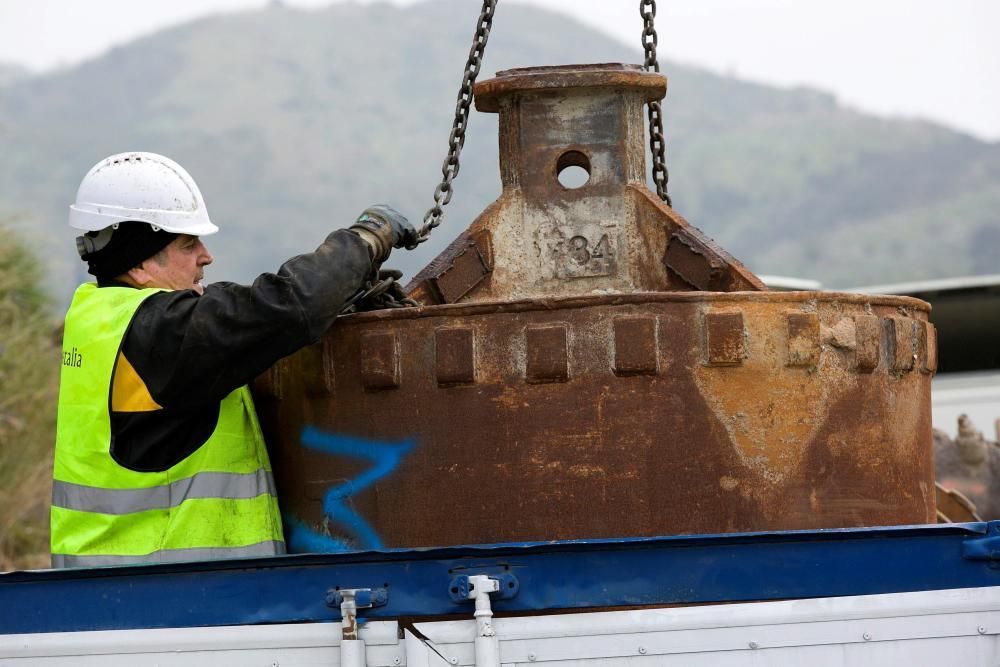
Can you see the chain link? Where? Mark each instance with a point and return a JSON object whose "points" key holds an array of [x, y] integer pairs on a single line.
{"points": [[657, 145], [456, 140]]}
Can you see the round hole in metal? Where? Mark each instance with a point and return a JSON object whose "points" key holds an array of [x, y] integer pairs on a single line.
{"points": [[573, 169]]}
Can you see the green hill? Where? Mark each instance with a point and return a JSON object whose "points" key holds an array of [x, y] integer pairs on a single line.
{"points": [[294, 120]]}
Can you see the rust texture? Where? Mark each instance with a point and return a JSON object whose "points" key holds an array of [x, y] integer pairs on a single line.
{"points": [[605, 416], [724, 334], [588, 364], [902, 341], [379, 360], [803, 338], [465, 264], [928, 348], [692, 263], [542, 239], [635, 345], [546, 357], [868, 337], [954, 507], [454, 356]]}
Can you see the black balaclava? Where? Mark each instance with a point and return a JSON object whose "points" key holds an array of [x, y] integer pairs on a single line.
{"points": [[130, 245]]}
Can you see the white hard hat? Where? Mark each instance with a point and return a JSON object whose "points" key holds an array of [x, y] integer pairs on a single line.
{"points": [[142, 187]]}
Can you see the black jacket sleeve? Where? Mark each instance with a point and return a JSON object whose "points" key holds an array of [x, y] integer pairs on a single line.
{"points": [[193, 350]]}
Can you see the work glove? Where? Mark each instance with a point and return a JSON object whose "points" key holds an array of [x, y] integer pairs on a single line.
{"points": [[385, 228]]}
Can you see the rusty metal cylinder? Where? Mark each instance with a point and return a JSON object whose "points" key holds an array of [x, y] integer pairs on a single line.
{"points": [[606, 416], [650, 385]]}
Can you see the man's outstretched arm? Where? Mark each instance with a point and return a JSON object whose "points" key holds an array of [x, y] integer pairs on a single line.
{"points": [[191, 350]]}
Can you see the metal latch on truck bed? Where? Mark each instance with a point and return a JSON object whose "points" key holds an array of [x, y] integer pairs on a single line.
{"points": [[480, 587], [350, 600], [463, 586], [986, 547], [352, 649]]}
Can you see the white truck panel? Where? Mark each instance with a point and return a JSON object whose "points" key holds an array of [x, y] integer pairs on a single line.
{"points": [[933, 628]]}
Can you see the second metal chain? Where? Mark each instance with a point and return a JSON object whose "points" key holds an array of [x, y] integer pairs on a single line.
{"points": [[456, 140], [657, 145]]}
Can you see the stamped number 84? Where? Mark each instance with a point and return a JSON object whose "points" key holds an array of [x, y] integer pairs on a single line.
{"points": [[580, 251]]}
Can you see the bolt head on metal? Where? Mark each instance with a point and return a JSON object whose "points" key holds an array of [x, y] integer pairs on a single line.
{"points": [[982, 629], [754, 645], [532, 657], [397, 660], [867, 636], [642, 650], [453, 660]]}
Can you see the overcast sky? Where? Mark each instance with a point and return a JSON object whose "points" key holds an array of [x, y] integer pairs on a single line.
{"points": [[937, 60]]}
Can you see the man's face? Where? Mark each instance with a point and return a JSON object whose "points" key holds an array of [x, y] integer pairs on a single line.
{"points": [[179, 266]]}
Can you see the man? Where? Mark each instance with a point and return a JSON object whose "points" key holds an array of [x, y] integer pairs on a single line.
{"points": [[159, 456]]}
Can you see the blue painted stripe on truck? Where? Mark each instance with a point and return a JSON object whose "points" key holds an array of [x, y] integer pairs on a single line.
{"points": [[552, 576]]}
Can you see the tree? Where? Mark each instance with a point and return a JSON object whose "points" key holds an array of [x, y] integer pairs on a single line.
{"points": [[29, 381]]}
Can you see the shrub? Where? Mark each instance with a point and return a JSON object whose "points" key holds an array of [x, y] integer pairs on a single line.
{"points": [[29, 381]]}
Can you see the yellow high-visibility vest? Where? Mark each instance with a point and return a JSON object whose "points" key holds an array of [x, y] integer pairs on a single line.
{"points": [[218, 502]]}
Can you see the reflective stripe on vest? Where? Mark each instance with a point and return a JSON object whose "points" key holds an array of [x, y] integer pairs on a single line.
{"points": [[269, 548], [218, 502], [126, 501]]}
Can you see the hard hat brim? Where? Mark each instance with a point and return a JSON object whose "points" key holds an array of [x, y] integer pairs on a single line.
{"points": [[93, 218]]}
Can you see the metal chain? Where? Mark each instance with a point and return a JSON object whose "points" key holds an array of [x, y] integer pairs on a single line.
{"points": [[657, 145], [456, 140], [382, 291]]}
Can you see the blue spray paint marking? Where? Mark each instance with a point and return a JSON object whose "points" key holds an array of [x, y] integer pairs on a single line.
{"points": [[304, 540], [385, 456]]}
